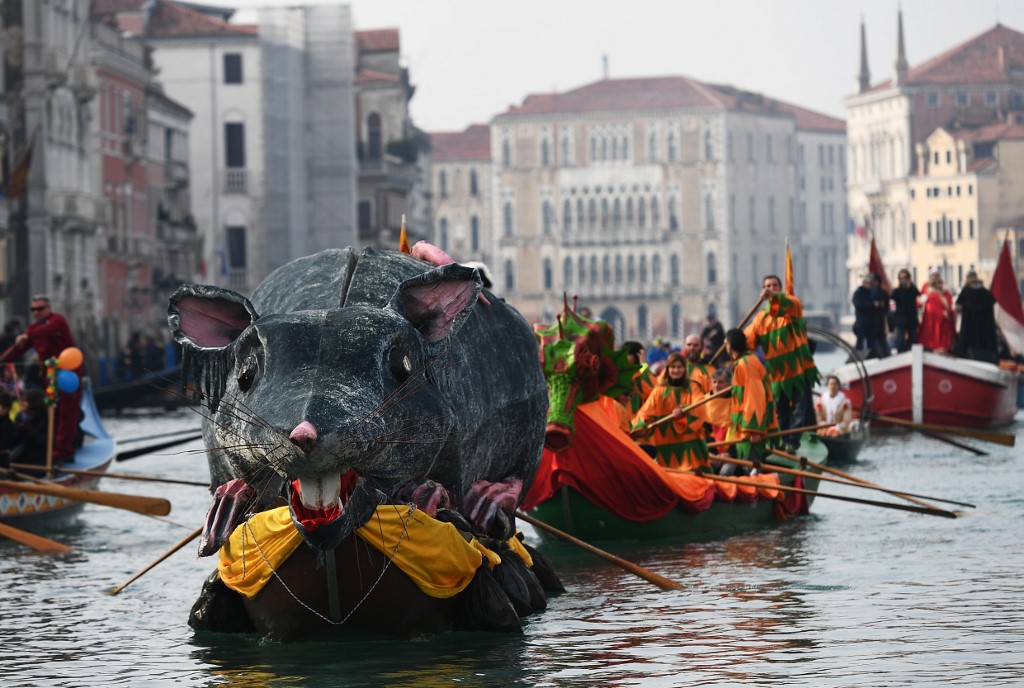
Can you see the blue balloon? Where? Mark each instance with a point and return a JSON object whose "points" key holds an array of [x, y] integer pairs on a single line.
{"points": [[67, 381]]}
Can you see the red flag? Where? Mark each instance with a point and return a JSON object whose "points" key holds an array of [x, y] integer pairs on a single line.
{"points": [[875, 266], [790, 286], [1009, 312]]}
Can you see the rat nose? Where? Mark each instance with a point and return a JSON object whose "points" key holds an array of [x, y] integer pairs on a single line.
{"points": [[304, 436]]}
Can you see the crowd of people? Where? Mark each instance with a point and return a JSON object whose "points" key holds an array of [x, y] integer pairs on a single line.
{"points": [[740, 388], [927, 316]]}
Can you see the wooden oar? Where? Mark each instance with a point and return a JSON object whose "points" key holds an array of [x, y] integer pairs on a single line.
{"points": [[142, 505], [743, 322], [931, 511], [773, 435], [132, 453], [954, 443], [994, 437], [649, 576], [146, 438], [118, 476], [32, 540], [184, 541], [815, 476], [685, 409], [851, 478]]}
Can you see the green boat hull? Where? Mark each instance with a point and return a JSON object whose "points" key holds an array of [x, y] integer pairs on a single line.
{"points": [[569, 511]]}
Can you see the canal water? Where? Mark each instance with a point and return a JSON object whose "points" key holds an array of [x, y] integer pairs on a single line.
{"points": [[850, 596]]}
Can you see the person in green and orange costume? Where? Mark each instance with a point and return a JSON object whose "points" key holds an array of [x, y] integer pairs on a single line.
{"points": [[679, 443], [753, 410], [779, 329], [643, 380], [693, 346]]}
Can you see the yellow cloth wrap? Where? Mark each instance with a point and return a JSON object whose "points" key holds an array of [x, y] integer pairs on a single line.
{"points": [[432, 553]]}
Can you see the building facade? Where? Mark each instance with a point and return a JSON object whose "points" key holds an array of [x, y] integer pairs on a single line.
{"points": [[461, 190]]}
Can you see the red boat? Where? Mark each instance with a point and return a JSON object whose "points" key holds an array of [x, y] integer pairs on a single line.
{"points": [[930, 388]]}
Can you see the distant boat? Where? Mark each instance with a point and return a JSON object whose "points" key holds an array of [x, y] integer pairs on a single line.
{"points": [[97, 451], [157, 389]]}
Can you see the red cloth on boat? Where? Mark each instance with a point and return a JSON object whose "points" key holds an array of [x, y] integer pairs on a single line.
{"points": [[937, 325], [607, 467]]}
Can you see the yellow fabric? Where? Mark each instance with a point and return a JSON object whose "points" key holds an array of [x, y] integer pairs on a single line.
{"points": [[432, 553]]}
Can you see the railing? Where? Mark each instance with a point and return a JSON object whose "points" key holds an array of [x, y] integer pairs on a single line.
{"points": [[236, 181]]}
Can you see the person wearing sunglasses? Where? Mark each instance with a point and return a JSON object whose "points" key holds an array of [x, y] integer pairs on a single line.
{"points": [[49, 334]]}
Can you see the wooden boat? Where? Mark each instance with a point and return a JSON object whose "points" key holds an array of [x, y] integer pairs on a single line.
{"points": [[929, 388], [601, 489], [95, 454], [157, 389], [844, 449]]}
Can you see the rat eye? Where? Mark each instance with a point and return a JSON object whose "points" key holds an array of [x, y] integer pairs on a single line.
{"points": [[247, 373], [400, 365]]}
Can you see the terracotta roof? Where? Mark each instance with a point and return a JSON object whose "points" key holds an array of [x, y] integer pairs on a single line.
{"points": [[377, 40], [366, 76], [168, 19], [473, 143], [991, 132], [985, 59], [669, 92]]}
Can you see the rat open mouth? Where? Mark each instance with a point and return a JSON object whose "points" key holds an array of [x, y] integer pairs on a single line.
{"points": [[316, 502]]}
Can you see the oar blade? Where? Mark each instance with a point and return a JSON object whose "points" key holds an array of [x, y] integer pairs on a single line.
{"points": [[36, 542]]}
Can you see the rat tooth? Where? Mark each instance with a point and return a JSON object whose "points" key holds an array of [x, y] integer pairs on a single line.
{"points": [[322, 492]]}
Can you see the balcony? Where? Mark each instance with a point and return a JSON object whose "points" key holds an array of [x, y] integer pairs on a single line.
{"points": [[236, 181], [78, 206], [176, 174]]}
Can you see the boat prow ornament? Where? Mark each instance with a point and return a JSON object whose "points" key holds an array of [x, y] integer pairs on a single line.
{"points": [[372, 422]]}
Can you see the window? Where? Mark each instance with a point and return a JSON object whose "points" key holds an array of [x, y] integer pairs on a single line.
{"points": [[970, 228], [709, 151], [913, 231], [959, 229], [442, 234], [673, 214], [236, 247], [629, 212], [581, 270], [709, 212], [933, 100], [593, 269], [617, 214], [565, 152], [769, 149], [545, 153], [506, 153], [630, 270], [507, 219], [606, 269], [234, 145], [547, 217], [652, 147], [365, 215], [673, 269], [474, 188], [442, 184], [566, 216], [548, 277], [750, 146], [991, 98], [677, 315], [592, 213], [641, 214], [618, 269], [510, 277], [641, 319], [567, 272], [712, 269], [643, 269], [656, 270], [474, 234], [374, 142], [729, 151], [962, 99], [625, 148], [579, 213], [604, 213], [671, 146], [655, 215], [232, 68], [949, 157]]}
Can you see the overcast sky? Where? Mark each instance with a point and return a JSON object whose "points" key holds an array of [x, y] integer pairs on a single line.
{"points": [[471, 59]]}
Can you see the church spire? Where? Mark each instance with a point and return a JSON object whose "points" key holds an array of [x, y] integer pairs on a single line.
{"points": [[901, 51], [864, 78]]}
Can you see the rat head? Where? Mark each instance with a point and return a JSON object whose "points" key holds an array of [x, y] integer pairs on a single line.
{"points": [[343, 405]]}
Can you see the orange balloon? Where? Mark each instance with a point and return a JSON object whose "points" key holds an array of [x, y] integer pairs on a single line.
{"points": [[70, 358]]}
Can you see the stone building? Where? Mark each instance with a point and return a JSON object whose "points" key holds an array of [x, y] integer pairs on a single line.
{"points": [[978, 82], [657, 200], [461, 190]]}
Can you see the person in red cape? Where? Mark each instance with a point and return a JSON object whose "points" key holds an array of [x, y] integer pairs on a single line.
{"points": [[49, 335], [938, 323]]}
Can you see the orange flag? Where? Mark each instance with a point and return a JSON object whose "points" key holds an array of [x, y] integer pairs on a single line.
{"points": [[403, 239], [790, 286]]}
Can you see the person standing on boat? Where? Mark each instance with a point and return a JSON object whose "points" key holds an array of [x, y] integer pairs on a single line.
{"points": [[49, 335], [779, 329], [976, 306], [752, 411], [834, 408], [938, 323], [904, 298], [679, 443], [698, 372], [870, 304]]}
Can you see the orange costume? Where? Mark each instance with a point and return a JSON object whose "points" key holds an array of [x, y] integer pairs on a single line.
{"points": [[679, 443], [700, 373], [781, 332], [644, 382], [753, 410]]}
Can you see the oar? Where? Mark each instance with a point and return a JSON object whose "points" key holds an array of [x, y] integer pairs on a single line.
{"points": [[994, 437], [144, 438], [800, 490], [133, 453], [184, 541], [685, 409], [954, 443], [843, 474], [118, 476], [649, 576], [815, 476], [32, 540], [773, 435], [142, 505], [743, 322]]}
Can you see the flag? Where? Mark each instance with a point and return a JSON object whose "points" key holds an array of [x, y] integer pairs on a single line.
{"points": [[790, 286], [875, 266], [17, 182], [855, 229], [403, 239], [1009, 313]]}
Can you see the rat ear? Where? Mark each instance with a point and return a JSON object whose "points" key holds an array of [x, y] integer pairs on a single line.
{"points": [[208, 317], [437, 302]]}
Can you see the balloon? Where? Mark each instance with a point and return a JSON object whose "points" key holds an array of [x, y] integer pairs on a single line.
{"points": [[69, 359], [67, 381]]}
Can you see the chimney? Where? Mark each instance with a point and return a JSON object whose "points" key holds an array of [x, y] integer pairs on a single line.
{"points": [[864, 78]]}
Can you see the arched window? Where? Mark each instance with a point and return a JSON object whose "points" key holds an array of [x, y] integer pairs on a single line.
{"points": [[442, 184], [442, 234], [507, 219], [652, 147], [593, 148], [655, 215], [474, 189], [474, 234], [373, 137], [709, 212], [548, 276], [642, 213], [606, 269], [506, 153], [630, 270], [618, 269], [709, 151], [592, 213], [604, 213], [629, 212], [545, 153], [579, 214], [566, 216], [673, 268], [604, 148], [567, 272], [641, 320], [581, 271], [566, 161], [677, 315], [673, 214], [656, 270], [617, 214], [510, 275], [643, 269], [547, 217], [593, 270], [625, 148], [712, 269], [671, 146], [615, 149]]}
